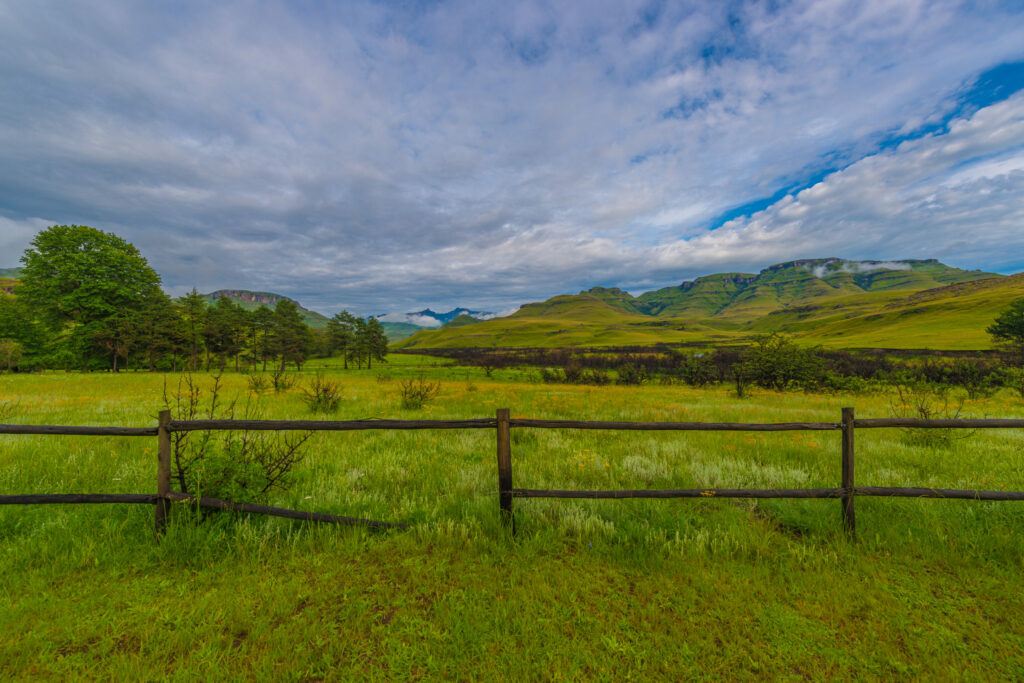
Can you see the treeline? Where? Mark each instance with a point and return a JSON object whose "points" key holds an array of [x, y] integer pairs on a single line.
{"points": [[771, 361], [88, 300]]}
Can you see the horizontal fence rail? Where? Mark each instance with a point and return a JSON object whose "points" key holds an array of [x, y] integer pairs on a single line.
{"points": [[63, 430], [324, 425], [679, 426], [503, 423]]}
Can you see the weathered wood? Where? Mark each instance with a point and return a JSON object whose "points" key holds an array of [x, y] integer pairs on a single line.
{"points": [[918, 423], [679, 426], [326, 425], [918, 492], [219, 504], [163, 471], [849, 517], [63, 430], [682, 493], [77, 498], [504, 441]]}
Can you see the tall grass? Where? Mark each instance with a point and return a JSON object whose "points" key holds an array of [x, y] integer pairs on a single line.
{"points": [[594, 589]]}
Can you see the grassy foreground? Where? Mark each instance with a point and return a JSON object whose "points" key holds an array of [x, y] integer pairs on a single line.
{"points": [[605, 590]]}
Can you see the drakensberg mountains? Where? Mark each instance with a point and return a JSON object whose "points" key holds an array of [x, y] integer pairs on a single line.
{"points": [[897, 304]]}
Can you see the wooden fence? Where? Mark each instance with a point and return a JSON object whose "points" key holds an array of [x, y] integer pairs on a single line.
{"points": [[503, 424]]}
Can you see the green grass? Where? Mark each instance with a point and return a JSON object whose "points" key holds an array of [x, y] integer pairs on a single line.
{"points": [[608, 590]]}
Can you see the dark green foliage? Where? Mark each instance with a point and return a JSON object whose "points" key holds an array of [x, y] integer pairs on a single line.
{"points": [[235, 465], [632, 374], [1008, 329], [292, 340], [775, 362], [87, 286], [698, 370]]}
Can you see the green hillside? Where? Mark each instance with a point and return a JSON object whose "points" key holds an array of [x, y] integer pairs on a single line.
{"points": [[398, 331], [904, 304]]}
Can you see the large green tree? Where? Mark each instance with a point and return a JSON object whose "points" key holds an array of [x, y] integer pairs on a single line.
{"points": [[292, 339], [85, 283], [1008, 329]]}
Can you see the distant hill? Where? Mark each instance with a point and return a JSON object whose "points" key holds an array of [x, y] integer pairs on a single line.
{"points": [[250, 300], [8, 279], [898, 304], [398, 331]]}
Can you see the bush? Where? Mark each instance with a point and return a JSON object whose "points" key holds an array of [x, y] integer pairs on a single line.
{"points": [[775, 362], [258, 383], [321, 395], [596, 377], [238, 465], [549, 376], [281, 381], [698, 370], [926, 401], [631, 374], [572, 371], [418, 392]]}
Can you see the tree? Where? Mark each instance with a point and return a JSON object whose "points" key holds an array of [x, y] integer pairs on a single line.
{"points": [[341, 334], [80, 279], [292, 339], [193, 313], [1008, 329]]}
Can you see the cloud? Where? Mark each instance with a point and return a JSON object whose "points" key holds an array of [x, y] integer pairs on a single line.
{"points": [[421, 320], [394, 156]]}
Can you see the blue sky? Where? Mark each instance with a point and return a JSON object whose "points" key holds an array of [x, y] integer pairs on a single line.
{"points": [[393, 156]]}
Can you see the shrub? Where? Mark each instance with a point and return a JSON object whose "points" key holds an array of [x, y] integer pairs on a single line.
{"points": [[549, 376], [258, 383], [632, 374], [926, 401], [775, 362], [596, 377], [572, 371], [416, 393], [280, 380], [239, 465], [321, 395], [698, 370]]}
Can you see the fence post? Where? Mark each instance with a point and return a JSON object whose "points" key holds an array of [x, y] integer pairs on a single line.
{"points": [[849, 518], [163, 470], [505, 468]]}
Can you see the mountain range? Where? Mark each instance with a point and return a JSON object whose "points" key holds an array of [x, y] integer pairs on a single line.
{"points": [[829, 301], [835, 302]]}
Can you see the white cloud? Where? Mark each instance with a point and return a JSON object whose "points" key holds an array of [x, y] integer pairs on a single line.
{"points": [[381, 156]]}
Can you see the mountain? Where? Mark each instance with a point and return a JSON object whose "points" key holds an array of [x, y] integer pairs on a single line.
{"points": [[250, 301], [445, 318], [904, 304]]}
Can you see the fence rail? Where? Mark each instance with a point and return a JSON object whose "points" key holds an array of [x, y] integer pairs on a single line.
{"points": [[503, 424]]}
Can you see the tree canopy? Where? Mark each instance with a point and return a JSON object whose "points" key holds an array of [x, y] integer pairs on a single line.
{"points": [[1008, 328]]}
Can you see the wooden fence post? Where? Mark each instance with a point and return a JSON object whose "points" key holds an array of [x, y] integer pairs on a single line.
{"points": [[505, 468], [849, 518], [163, 470]]}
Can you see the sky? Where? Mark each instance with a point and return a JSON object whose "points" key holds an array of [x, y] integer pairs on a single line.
{"points": [[391, 156]]}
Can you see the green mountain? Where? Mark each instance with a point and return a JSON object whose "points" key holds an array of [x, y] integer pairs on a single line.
{"points": [[899, 304], [250, 301]]}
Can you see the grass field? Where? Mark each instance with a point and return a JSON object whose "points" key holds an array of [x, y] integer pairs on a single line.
{"points": [[605, 590]]}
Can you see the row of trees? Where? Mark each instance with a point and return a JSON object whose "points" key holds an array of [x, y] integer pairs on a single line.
{"points": [[88, 300]]}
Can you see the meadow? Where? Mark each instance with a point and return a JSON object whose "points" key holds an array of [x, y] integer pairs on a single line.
{"points": [[604, 590]]}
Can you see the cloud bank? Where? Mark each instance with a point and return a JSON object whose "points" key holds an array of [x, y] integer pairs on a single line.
{"points": [[376, 156]]}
